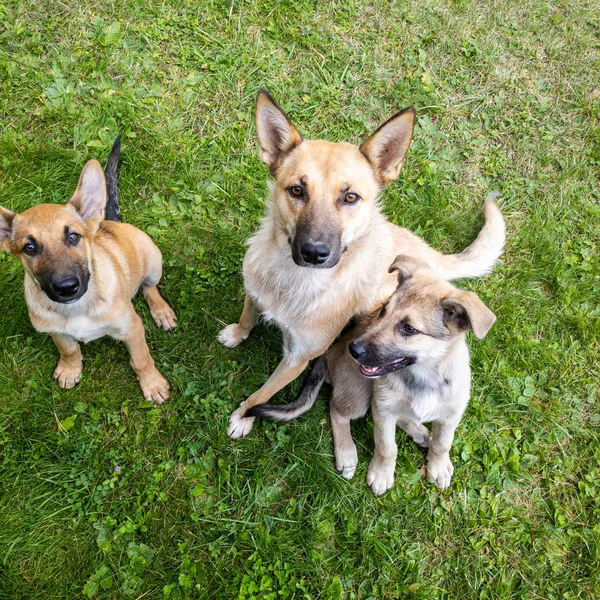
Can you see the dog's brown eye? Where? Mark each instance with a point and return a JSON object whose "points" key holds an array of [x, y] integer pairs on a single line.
{"points": [[30, 249], [406, 329], [296, 191], [351, 198], [74, 237]]}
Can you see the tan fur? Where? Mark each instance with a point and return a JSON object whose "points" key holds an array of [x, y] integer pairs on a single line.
{"points": [[312, 303], [119, 259], [434, 389]]}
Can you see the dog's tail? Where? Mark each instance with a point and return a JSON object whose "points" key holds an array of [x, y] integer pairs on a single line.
{"points": [[480, 257], [302, 404], [111, 173]]}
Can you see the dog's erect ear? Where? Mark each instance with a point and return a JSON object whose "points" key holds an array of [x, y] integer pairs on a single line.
{"points": [[89, 199], [275, 132], [466, 311], [6, 220], [406, 266], [387, 147]]}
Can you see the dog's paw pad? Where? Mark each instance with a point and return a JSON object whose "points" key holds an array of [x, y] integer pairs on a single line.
{"points": [[440, 473], [232, 335], [380, 478], [239, 426]]}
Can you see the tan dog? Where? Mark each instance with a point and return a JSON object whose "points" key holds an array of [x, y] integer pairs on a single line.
{"points": [[415, 349], [81, 272], [321, 253]]}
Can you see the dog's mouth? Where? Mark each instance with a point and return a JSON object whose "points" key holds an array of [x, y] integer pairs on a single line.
{"points": [[374, 372]]}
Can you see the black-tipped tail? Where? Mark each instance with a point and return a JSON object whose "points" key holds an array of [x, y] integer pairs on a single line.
{"points": [[111, 174], [304, 402]]}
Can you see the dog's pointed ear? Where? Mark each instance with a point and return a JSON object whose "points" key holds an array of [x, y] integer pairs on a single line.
{"points": [[406, 266], [387, 147], [6, 223], [89, 199], [466, 311], [275, 132]]}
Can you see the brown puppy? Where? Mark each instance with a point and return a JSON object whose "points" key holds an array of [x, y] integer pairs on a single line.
{"points": [[81, 273], [413, 368], [322, 251]]}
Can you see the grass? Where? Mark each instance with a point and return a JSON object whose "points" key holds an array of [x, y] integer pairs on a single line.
{"points": [[507, 96]]}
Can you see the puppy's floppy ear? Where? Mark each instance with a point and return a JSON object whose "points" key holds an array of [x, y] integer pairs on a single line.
{"points": [[275, 132], [406, 266], [89, 199], [6, 221], [466, 311], [387, 147]]}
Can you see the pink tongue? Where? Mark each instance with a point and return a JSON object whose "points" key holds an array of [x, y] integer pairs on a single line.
{"points": [[369, 370]]}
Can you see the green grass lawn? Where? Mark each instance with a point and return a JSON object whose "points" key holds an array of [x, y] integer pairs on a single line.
{"points": [[508, 98]]}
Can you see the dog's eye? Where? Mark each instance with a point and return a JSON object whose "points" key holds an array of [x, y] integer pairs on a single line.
{"points": [[296, 191], [74, 237], [351, 198], [30, 248], [406, 329]]}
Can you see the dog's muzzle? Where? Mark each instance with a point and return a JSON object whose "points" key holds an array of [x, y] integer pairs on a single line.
{"points": [[360, 354]]}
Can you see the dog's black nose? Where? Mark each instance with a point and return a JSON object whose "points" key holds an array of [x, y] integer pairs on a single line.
{"points": [[357, 349], [315, 254], [66, 288]]}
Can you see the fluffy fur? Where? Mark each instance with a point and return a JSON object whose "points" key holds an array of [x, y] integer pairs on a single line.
{"points": [[409, 362], [325, 194], [81, 272]]}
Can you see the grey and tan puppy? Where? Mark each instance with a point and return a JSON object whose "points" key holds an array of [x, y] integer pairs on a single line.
{"points": [[409, 361], [323, 248], [81, 272]]}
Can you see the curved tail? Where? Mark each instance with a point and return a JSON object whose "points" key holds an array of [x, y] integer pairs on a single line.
{"points": [[111, 173], [302, 404], [480, 257]]}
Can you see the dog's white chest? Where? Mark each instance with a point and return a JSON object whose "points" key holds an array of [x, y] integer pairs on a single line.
{"points": [[85, 330], [421, 406], [80, 327]]}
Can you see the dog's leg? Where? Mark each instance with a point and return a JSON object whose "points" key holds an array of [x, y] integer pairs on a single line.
{"points": [[380, 475], [351, 400], [154, 386], [439, 466], [234, 334], [287, 370], [416, 431], [346, 457], [70, 365], [161, 312]]}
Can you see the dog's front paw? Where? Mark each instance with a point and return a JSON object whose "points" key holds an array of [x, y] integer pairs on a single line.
{"points": [[239, 426], [346, 461], [164, 317], [232, 336], [440, 470], [380, 476], [68, 376], [155, 387]]}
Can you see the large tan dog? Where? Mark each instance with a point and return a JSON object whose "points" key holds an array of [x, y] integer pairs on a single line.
{"points": [[81, 272], [413, 368], [322, 251]]}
